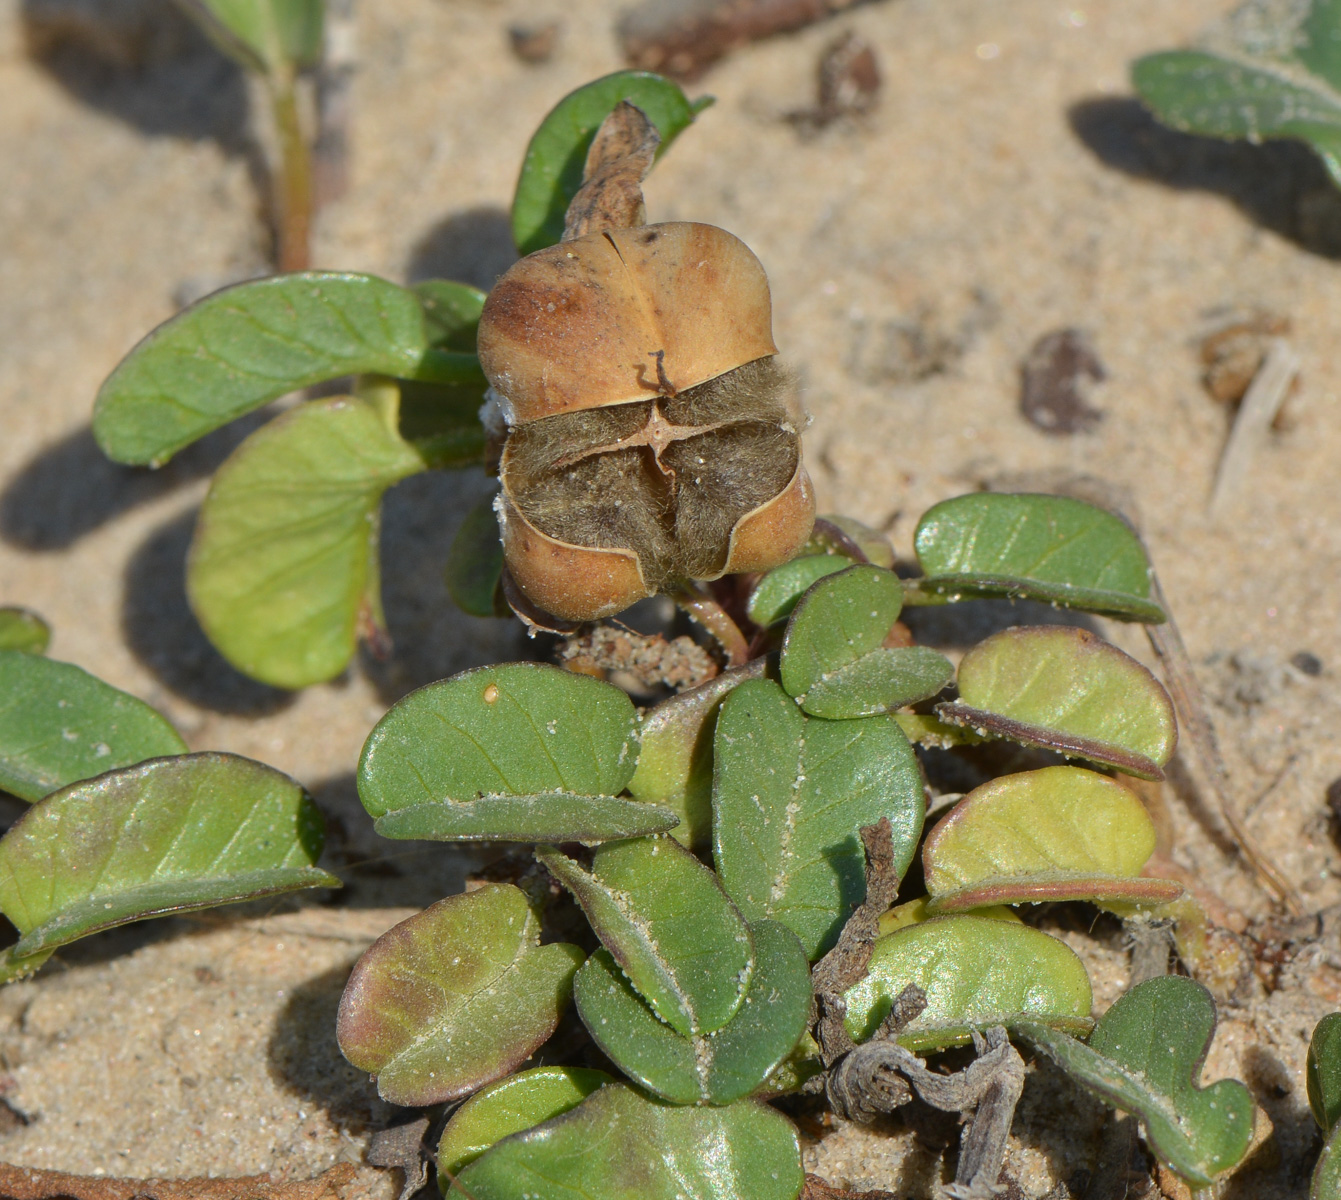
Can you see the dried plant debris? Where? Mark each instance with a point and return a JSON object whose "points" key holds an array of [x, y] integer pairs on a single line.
{"points": [[1056, 380], [534, 43], [848, 83], [817, 1189], [1233, 351], [682, 38], [30, 1183], [621, 154], [655, 662], [1252, 424], [402, 1147]]}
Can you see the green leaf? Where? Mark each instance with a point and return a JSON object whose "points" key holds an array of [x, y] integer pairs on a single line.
{"points": [[976, 972], [675, 762], [834, 534], [1146, 1057], [663, 916], [1062, 833], [1048, 548], [833, 660], [776, 594], [475, 563], [244, 346], [715, 1068], [789, 796], [283, 572], [620, 1145], [510, 1106], [451, 313], [1327, 1174], [268, 35], [1066, 690], [169, 835], [454, 997], [23, 630], [552, 170], [58, 725], [442, 424], [1323, 1072], [516, 752]]}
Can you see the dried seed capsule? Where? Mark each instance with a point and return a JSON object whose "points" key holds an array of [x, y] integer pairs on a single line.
{"points": [[651, 439]]}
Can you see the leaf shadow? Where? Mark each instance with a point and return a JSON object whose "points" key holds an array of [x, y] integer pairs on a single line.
{"points": [[1280, 185], [146, 64], [473, 246], [1294, 1132], [70, 488], [162, 632], [304, 1056], [959, 626]]}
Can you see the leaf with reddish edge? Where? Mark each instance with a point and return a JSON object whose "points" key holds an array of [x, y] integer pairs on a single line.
{"points": [[664, 917], [1065, 689], [1062, 833], [454, 997]]}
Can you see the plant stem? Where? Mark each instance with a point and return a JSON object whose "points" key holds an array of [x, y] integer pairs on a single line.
{"points": [[1196, 721], [701, 607], [293, 182]]}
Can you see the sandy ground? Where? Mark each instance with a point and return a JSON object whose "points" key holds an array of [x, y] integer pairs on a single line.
{"points": [[1006, 186]]}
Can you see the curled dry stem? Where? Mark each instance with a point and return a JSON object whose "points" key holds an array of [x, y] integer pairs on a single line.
{"points": [[696, 601]]}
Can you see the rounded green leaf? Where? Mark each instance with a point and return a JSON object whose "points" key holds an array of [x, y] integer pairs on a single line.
{"points": [[776, 594], [976, 972], [714, 1068], [59, 724], [23, 630], [663, 916], [270, 35], [833, 660], [283, 571], [619, 1145], [1146, 1056], [475, 564], [515, 752], [1066, 689], [166, 836], [1049, 548], [454, 997], [1327, 1174], [1323, 1072], [451, 313], [509, 1106], [1062, 833], [552, 170], [675, 760], [247, 345], [790, 794]]}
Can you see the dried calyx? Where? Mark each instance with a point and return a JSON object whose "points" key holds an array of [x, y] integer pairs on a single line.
{"points": [[652, 438]]}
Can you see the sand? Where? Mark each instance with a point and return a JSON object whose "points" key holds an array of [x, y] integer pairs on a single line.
{"points": [[1006, 186]]}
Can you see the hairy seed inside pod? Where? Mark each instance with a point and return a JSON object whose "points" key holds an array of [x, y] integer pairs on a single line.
{"points": [[668, 478]]}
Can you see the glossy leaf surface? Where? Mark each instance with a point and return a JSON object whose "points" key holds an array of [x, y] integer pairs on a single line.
{"points": [[790, 794], [59, 724], [976, 972], [510, 1106], [23, 630], [247, 345], [675, 762], [283, 571], [715, 1068], [1265, 71], [1323, 1072], [552, 170], [620, 1145], [1066, 690], [475, 563], [833, 660], [169, 835], [1062, 833], [269, 34], [665, 919], [1145, 1057], [518, 751], [776, 593], [454, 997], [1048, 548]]}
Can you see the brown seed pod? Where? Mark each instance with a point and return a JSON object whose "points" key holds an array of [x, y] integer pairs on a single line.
{"points": [[651, 436]]}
